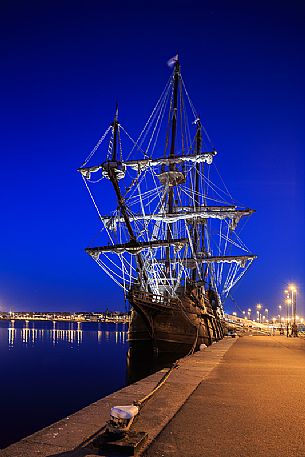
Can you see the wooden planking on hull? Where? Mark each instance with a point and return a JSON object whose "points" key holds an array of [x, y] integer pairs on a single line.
{"points": [[170, 334]]}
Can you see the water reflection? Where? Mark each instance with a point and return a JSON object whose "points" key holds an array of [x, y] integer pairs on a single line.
{"points": [[11, 334], [72, 333]]}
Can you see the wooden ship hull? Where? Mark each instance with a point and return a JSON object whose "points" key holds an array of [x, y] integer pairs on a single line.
{"points": [[178, 325]]}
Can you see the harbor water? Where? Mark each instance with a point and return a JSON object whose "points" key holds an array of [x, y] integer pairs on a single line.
{"points": [[52, 369]]}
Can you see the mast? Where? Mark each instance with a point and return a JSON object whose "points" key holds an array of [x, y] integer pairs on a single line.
{"points": [[174, 132], [196, 202], [115, 125], [171, 156], [120, 198]]}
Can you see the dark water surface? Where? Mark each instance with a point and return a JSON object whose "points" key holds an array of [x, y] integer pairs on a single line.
{"points": [[50, 370]]}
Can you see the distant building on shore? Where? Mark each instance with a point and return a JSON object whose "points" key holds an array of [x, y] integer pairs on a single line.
{"points": [[82, 316]]}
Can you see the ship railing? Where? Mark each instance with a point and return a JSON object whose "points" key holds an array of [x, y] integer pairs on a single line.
{"points": [[153, 299]]}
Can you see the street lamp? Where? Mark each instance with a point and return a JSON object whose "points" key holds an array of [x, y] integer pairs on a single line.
{"points": [[258, 307], [293, 292], [287, 303], [293, 301], [266, 311], [280, 311]]}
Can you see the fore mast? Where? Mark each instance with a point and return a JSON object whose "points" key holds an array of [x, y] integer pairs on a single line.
{"points": [[113, 168]]}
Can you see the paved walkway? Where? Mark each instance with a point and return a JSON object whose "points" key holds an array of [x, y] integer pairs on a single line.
{"points": [[252, 404]]}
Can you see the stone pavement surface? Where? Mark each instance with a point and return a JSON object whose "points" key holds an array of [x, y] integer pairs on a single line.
{"points": [[251, 404]]}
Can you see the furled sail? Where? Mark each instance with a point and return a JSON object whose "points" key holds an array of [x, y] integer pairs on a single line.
{"points": [[196, 214], [141, 165], [135, 248]]}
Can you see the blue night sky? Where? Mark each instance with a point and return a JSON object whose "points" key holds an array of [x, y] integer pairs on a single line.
{"points": [[64, 65]]}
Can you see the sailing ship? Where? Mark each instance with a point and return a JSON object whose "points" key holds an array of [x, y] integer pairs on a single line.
{"points": [[172, 241]]}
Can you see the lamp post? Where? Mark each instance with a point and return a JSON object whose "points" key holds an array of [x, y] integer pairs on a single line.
{"points": [[249, 313], [288, 301], [291, 299], [293, 303], [293, 292], [280, 312], [259, 307]]}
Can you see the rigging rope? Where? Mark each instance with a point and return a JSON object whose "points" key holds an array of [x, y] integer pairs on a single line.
{"points": [[95, 205], [136, 144], [96, 146]]}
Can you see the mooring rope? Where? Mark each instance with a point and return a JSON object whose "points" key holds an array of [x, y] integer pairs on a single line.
{"points": [[160, 383], [140, 403]]}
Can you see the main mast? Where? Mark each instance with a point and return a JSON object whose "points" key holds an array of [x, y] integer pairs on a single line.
{"points": [[196, 200], [171, 156]]}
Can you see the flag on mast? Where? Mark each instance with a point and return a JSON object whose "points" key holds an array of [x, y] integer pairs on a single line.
{"points": [[171, 62]]}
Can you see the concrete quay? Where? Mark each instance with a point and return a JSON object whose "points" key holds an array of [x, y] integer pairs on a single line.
{"points": [[239, 397]]}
